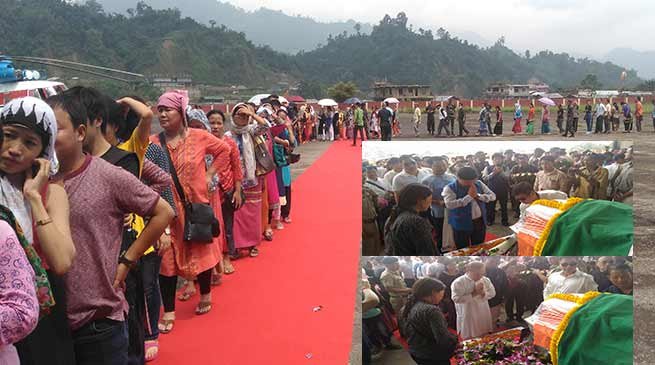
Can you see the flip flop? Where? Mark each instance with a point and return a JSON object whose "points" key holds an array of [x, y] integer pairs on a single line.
{"points": [[228, 268], [186, 295], [254, 252], [203, 308], [148, 345], [163, 325]]}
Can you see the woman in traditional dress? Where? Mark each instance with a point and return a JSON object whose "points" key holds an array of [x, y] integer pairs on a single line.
{"points": [[41, 210], [187, 149], [545, 122], [518, 115], [248, 219], [531, 113], [498, 128]]}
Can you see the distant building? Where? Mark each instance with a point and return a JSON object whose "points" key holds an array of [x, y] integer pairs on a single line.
{"points": [[506, 90], [383, 90], [167, 82]]}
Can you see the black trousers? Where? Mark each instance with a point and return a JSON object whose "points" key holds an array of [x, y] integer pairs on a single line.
{"points": [[491, 210], [515, 298], [452, 125], [599, 124], [357, 129], [560, 124], [385, 130], [431, 125], [443, 124], [168, 286], [570, 128], [476, 236], [286, 209], [462, 127], [228, 221]]}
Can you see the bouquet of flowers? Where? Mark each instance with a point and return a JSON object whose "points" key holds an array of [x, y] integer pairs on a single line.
{"points": [[502, 351]]}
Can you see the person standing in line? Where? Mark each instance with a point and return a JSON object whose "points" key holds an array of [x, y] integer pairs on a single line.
{"points": [[386, 119], [437, 182], [443, 120], [627, 115], [639, 113], [498, 279], [576, 115], [461, 120], [358, 120], [608, 117], [518, 115], [417, 120], [545, 123], [394, 284], [498, 128], [430, 110], [450, 111], [496, 178], [568, 281], [560, 118], [531, 113], [600, 116]]}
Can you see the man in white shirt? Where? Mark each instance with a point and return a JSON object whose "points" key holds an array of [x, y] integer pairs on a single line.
{"points": [[570, 280], [374, 182], [406, 265], [396, 167], [410, 175], [471, 293], [608, 117], [600, 116], [465, 199]]}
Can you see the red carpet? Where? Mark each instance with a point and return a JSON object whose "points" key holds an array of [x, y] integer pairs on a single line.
{"points": [[263, 313]]}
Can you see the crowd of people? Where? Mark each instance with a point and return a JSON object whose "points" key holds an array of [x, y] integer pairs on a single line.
{"points": [[99, 216], [450, 118], [437, 302], [415, 205]]}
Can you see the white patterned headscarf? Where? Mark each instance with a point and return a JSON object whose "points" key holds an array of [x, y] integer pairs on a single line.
{"points": [[199, 115], [36, 115]]}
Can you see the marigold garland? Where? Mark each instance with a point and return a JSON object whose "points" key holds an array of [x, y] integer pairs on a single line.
{"points": [[562, 207], [559, 332]]}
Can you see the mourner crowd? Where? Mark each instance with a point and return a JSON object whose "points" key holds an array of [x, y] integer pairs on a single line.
{"points": [[99, 217], [427, 205], [436, 302]]}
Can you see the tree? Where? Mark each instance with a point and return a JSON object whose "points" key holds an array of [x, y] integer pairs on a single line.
{"points": [[342, 91], [527, 53], [401, 19], [443, 34], [500, 42], [590, 82], [647, 86], [358, 28], [311, 89], [212, 23]]}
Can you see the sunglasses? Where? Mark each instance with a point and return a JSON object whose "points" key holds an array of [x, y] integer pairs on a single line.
{"points": [[568, 264]]}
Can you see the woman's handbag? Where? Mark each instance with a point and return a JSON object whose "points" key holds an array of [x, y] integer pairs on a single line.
{"points": [[200, 224], [265, 162]]}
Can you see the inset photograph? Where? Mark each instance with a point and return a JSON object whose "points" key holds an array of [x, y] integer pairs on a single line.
{"points": [[516, 198], [497, 310]]}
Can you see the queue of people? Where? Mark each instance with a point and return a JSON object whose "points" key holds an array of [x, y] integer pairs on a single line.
{"points": [[99, 217], [437, 302], [429, 205]]}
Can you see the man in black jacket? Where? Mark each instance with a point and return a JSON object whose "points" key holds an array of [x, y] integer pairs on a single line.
{"points": [[497, 180]]}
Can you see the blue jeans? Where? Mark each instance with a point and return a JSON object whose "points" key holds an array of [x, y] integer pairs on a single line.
{"points": [[150, 270], [101, 342]]}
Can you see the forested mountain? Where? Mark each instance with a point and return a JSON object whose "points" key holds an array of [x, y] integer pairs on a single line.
{"points": [[281, 32], [394, 52], [153, 41], [147, 41]]}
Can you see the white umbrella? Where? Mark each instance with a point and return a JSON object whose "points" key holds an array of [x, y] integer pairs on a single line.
{"points": [[391, 101], [547, 101], [257, 99], [282, 100], [327, 102]]}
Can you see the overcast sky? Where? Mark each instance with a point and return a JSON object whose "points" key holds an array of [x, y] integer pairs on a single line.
{"points": [[579, 27]]}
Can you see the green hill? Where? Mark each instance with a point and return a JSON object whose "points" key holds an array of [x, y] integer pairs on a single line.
{"points": [[153, 41], [394, 52]]}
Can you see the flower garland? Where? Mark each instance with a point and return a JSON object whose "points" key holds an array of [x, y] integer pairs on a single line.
{"points": [[559, 332], [562, 207], [502, 351]]}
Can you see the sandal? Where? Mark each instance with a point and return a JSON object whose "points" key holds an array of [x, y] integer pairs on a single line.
{"points": [[254, 252], [149, 345], [287, 220], [216, 280], [166, 325], [268, 235], [186, 295], [228, 268], [203, 308]]}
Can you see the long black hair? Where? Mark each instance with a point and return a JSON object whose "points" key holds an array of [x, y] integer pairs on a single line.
{"points": [[407, 199], [422, 288]]}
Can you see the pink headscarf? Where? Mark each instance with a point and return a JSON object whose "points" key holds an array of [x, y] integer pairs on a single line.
{"points": [[176, 99]]}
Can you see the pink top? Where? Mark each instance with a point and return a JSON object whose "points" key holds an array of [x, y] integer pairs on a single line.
{"points": [[100, 195], [19, 307]]}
